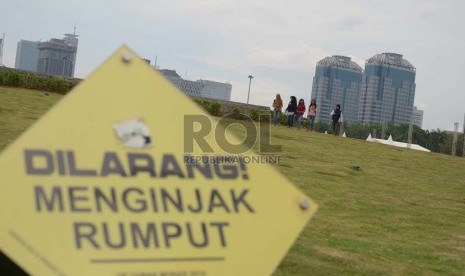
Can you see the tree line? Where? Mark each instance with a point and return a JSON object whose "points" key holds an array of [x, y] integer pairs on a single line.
{"points": [[435, 140]]}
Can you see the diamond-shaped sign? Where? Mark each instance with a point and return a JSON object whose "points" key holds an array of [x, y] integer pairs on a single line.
{"points": [[102, 185]]}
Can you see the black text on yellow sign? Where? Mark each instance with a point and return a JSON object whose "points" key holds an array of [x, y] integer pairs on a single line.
{"points": [[57, 198], [103, 184]]}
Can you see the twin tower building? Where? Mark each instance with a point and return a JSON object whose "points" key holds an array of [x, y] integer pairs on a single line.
{"points": [[383, 92]]}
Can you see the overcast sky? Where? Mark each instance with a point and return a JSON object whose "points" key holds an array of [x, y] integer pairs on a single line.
{"points": [[278, 42]]}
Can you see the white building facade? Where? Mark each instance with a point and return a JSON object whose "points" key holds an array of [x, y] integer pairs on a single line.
{"points": [[200, 88]]}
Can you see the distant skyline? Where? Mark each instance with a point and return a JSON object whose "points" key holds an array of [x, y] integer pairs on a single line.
{"points": [[277, 42]]}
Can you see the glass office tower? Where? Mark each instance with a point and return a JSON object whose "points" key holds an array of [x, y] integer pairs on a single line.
{"points": [[388, 90], [337, 80]]}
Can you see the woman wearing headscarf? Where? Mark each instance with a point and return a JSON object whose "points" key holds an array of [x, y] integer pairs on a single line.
{"points": [[291, 110]]}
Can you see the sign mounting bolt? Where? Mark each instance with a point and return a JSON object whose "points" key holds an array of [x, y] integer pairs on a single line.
{"points": [[127, 57], [304, 204]]}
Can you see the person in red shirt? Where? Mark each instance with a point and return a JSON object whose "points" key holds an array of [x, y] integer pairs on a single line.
{"points": [[300, 113]]}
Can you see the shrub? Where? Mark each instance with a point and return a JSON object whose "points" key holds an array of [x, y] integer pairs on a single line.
{"points": [[10, 79], [58, 85], [201, 103], [212, 107], [254, 114], [321, 126], [238, 113], [35, 81]]}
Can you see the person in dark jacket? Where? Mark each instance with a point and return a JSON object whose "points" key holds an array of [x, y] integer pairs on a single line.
{"points": [[291, 109], [336, 116]]}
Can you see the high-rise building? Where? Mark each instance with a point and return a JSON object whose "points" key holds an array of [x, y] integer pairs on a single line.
{"points": [[27, 55], [199, 88], [337, 80], [388, 90], [417, 117], [58, 56]]}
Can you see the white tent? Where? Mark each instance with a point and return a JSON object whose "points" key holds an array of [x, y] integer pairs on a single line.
{"points": [[391, 142], [344, 134]]}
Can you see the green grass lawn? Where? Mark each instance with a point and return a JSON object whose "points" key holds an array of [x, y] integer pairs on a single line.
{"points": [[401, 213], [19, 108]]}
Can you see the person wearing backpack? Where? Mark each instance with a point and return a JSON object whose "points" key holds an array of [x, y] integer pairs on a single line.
{"points": [[336, 116]]}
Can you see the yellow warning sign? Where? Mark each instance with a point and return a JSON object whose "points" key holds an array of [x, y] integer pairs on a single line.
{"points": [[123, 178]]}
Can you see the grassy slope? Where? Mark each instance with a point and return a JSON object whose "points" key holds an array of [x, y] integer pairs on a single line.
{"points": [[19, 108], [401, 213]]}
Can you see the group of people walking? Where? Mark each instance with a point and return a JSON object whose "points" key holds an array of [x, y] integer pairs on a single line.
{"points": [[297, 110]]}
